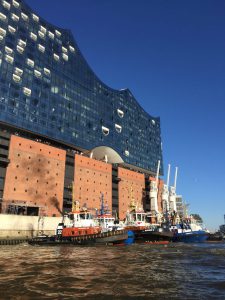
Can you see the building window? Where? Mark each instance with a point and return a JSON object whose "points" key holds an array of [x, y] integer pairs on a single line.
{"points": [[120, 113], [126, 152], [72, 49], [8, 50], [33, 36], [30, 62], [51, 35], [54, 89], [105, 130], [24, 16], [2, 17], [41, 34], [58, 33], [64, 49], [6, 4], [9, 59], [18, 72], [27, 91], [19, 49], [15, 17], [56, 57], [37, 73], [11, 29], [2, 32], [65, 57], [41, 48], [22, 43], [15, 3], [118, 128], [35, 18], [16, 78], [43, 29], [47, 71]]}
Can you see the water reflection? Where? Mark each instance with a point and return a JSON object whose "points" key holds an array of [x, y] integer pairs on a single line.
{"points": [[133, 272]]}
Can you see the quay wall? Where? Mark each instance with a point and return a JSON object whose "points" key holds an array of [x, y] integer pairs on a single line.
{"points": [[16, 226]]}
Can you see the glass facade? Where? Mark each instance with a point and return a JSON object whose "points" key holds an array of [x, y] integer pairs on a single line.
{"points": [[47, 87]]}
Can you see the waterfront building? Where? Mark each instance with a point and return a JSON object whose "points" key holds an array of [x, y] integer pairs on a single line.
{"points": [[62, 130], [182, 206]]}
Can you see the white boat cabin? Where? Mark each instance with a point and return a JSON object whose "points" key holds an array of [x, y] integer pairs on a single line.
{"points": [[106, 222], [79, 219], [135, 218]]}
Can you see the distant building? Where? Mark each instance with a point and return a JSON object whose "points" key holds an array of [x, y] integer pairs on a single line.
{"points": [[181, 206], [61, 126], [222, 228]]}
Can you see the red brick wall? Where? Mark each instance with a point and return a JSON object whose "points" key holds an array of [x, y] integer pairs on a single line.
{"points": [[129, 180], [34, 175], [91, 178]]}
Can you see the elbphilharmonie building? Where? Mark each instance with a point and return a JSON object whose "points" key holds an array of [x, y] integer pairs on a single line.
{"points": [[62, 127]]}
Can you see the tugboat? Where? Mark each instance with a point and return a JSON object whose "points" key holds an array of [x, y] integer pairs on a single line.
{"points": [[169, 227], [188, 231], [135, 221], [157, 229], [80, 228], [105, 219]]}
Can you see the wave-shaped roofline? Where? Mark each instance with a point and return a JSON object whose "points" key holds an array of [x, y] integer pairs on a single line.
{"points": [[68, 31]]}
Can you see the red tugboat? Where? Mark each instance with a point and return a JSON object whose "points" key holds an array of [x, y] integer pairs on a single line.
{"points": [[80, 228], [105, 219], [79, 222], [135, 217]]}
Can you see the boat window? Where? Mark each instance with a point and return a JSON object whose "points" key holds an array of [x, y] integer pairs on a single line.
{"points": [[82, 216], [139, 217], [71, 217]]}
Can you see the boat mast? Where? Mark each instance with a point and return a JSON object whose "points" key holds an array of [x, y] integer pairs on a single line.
{"points": [[75, 203], [172, 196], [102, 209], [165, 193], [154, 195]]}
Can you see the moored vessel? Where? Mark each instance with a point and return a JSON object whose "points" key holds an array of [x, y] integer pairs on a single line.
{"points": [[80, 228]]}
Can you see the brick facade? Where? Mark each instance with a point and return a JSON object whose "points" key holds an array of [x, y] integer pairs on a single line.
{"points": [[131, 184], [91, 178], [34, 176]]}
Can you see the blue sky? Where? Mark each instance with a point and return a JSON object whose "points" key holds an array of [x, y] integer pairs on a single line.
{"points": [[171, 55]]}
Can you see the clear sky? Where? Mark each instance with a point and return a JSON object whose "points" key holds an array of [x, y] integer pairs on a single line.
{"points": [[171, 55]]}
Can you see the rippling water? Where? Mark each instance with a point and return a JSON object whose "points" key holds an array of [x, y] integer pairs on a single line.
{"points": [[178, 271]]}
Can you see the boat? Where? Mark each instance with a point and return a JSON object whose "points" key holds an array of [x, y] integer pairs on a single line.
{"points": [[189, 231], [80, 228], [105, 219], [215, 237], [157, 228], [156, 233]]}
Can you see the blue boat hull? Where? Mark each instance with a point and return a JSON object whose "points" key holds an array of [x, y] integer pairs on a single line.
{"points": [[130, 239], [191, 237]]}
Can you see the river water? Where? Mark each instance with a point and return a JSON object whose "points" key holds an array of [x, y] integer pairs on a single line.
{"points": [[176, 271]]}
